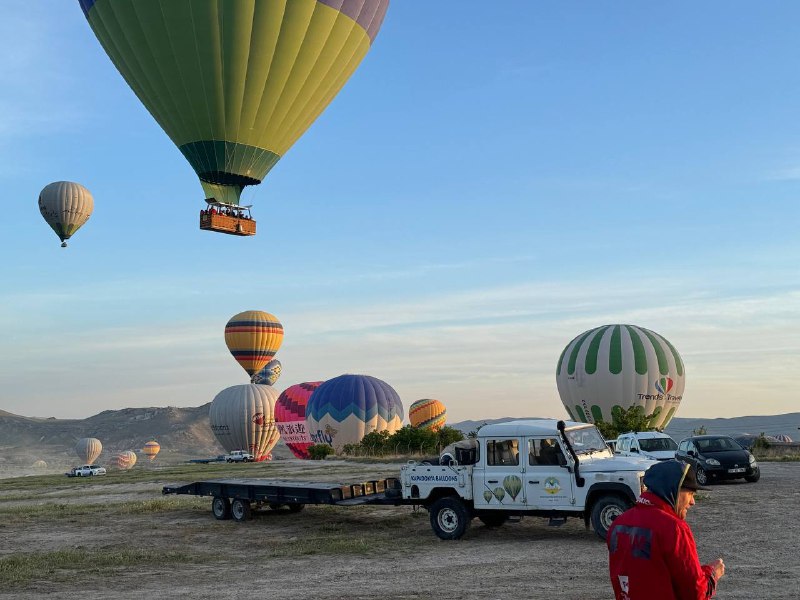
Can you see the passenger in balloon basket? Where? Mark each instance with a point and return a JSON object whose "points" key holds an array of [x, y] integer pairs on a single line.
{"points": [[651, 550]]}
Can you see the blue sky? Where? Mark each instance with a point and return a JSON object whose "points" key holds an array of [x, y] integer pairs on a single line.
{"points": [[494, 180]]}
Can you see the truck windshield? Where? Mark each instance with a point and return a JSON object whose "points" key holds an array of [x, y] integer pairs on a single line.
{"points": [[586, 440]]}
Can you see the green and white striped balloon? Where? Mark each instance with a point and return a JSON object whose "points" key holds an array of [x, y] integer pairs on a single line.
{"points": [[615, 367]]}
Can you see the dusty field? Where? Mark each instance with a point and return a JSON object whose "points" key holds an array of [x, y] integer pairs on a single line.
{"points": [[116, 536]]}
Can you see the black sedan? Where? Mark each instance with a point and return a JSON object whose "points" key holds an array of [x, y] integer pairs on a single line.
{"points": [[718, 457]]}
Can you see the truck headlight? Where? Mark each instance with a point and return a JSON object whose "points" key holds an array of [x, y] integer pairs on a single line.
{"points": [[712, 461]]}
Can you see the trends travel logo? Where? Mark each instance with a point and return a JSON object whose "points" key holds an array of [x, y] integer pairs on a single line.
{"points": [[664, 385]]}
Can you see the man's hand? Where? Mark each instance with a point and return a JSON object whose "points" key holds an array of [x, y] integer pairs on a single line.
{"points": [[718, 568]]}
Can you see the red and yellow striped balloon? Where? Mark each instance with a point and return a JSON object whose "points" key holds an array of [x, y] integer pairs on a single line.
{"points": [[124, 460], [427, 414], [253, 337], [151, 449]]}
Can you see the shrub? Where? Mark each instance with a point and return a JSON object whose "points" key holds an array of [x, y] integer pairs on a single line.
{"points": [[319, 451]]}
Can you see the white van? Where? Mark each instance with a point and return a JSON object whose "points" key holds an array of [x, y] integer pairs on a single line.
{"points": [[646, 444]]}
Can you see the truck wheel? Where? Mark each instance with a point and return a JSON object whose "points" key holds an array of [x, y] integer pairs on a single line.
{"points": [[449, 518], [230, 460], [221, 507], [604, 511], [240, 510], [493, 519]]}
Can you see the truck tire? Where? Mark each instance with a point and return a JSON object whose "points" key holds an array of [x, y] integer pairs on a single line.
{"points": [[493, 518], [221, 508], [240, 510], [604, 511], [230, 460], [450, 519]]}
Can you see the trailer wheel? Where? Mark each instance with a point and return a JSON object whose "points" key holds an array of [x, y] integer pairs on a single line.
{"points": [[240, 510], [450, 519], [604, 511], [221, 507]]}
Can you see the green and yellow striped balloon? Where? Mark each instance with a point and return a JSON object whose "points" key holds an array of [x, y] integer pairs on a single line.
{"points": [[234, 83], [615, 367]]}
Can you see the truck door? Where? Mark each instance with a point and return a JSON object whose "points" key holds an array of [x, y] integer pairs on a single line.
{"points": [[548, 483], [499, 483]]}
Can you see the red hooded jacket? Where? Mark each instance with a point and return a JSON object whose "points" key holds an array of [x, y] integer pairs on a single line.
{"points": [[652, 553]]}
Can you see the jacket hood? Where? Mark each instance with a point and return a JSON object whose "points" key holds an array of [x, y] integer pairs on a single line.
{"points": [[664, 479]]}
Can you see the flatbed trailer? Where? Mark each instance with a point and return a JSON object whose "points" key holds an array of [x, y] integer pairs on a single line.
{"points": [[237, 498]]}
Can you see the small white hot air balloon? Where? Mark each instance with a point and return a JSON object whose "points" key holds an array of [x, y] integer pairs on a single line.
{"points": [[66, 206]]}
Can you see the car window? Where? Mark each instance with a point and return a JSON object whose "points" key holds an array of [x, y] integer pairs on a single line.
{"points": [[502, 452], [658, 444], [721, 444], [545, 452], [625, 445], [683, 446]]}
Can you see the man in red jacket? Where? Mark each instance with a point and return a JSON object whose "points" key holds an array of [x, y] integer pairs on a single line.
{"points": [[651, 549]]}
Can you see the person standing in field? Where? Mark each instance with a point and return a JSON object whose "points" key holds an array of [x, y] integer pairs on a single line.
{"points": [[651, 550]]}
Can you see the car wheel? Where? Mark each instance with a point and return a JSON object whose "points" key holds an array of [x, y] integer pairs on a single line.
{"points": [[240, 510], [702, 476], [493, 518], [296, 507], [221, 507], [450, 519], [230, 460], [754, 477], [604, 511]]}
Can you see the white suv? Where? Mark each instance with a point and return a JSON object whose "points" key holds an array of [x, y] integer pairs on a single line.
{"points": [[646, 444]]}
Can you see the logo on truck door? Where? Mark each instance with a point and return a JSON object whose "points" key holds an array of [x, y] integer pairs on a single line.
{"points": [[551, 485]]}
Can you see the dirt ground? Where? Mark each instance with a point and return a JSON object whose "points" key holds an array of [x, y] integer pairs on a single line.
{"points": [[365, 552]]}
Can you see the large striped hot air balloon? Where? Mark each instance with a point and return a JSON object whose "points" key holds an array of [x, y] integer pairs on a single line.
{"points": [[427, 414], [290, 417], [124, 460], [88, 449], [66, 206], [253, 337], [234, 83], [344, 409], [615, 367], [242, 418], [270, 374], [151, 450]]}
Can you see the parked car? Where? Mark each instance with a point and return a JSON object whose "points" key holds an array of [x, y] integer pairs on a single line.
{"points": [[646, 444], [239, 456], [86, 471], [718, 457]]}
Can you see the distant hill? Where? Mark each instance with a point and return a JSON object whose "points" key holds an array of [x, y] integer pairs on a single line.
{"points": [[680, 428]]}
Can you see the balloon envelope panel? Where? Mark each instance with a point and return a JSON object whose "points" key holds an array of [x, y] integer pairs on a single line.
{"points": [[88, 449], [270, 374], [615, 367], [290, 417], [234, 83], [66, 206], [242, 418], [344, 409], [427, 414], [253, 337]]}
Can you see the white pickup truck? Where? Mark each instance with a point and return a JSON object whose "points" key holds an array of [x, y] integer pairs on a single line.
{"points": [[239, 456], [546, 468], [86, 471]]}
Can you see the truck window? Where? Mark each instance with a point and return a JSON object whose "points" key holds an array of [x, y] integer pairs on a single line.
{"points": [[545, 451], [502, 452]]}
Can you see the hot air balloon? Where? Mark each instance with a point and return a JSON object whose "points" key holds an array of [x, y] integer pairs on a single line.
{"points": [[513, 485], [40, 464], [615, 367], [253, 337], [242, 418], [151, 449], [499, 493], [488, 495], [427, 414], [270, 374], [88, 449], [235, 83], [124, 460], [344, 409], [290, 417], [782, 437], [66, 206]]}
